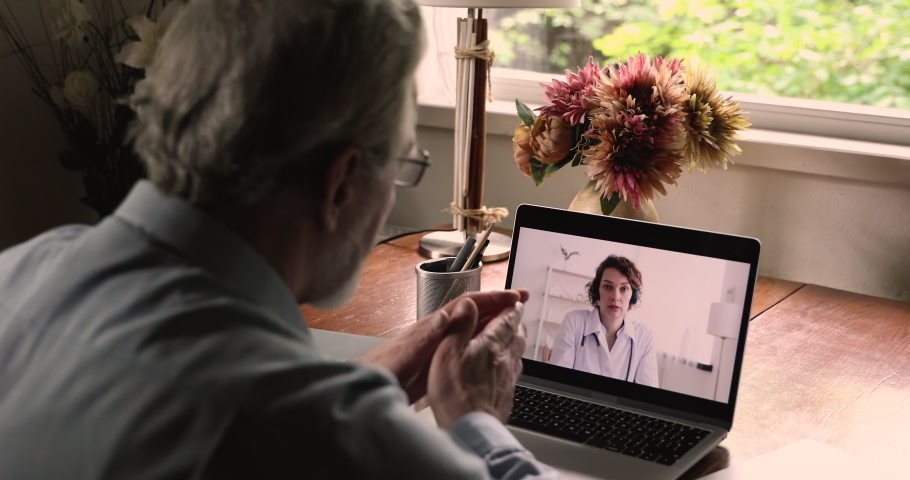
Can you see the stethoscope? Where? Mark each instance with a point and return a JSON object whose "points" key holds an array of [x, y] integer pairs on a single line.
{"points": [[631, 347]]}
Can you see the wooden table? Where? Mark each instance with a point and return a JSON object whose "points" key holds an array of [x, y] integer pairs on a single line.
{"points": [[819, 363]]}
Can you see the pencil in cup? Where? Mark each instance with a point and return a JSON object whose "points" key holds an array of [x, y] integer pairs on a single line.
{"points": [[437, 287]]}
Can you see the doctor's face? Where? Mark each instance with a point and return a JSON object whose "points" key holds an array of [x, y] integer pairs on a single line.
{"points": [[615, 295]]}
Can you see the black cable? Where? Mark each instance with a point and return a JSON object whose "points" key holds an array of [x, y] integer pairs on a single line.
{"points": [[396, 237]]}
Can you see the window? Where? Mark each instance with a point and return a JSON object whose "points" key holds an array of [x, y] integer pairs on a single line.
{"points": [[851, 51], [834, 68]]}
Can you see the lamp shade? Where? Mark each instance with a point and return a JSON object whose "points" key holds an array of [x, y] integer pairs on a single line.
{"points": [[724, 319], [501, 3]]}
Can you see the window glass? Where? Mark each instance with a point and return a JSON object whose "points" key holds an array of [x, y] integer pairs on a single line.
{"points": [[833, 50]]}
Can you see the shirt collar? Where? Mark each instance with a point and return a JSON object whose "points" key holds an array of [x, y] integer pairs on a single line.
{"points": [[593, 325], [212, 246]]}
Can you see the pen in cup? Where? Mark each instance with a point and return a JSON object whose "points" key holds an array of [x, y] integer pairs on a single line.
{"points": [[481, 243], [462, 256], [480, 255], [475, 257]]}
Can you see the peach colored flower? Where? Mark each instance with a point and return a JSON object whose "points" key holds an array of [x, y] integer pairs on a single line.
{"points": [[551, 139], [521, 149]]}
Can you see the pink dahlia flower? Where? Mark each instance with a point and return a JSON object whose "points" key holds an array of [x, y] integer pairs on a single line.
{"points": [[636, 130], [569, 99]]}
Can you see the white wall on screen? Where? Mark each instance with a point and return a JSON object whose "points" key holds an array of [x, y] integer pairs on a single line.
{"points": [[677, 292]]}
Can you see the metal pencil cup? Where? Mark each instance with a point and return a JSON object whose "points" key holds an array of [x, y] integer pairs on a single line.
{"points": [[436, 287]]}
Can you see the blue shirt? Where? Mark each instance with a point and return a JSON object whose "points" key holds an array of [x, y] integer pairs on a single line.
{"points": [[158, 344]]}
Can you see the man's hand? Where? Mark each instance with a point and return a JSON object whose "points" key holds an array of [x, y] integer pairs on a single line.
{"points": [[408, 355], [477, 373]]}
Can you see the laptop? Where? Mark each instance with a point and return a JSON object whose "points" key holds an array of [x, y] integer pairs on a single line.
{"points": [[647, 399]]}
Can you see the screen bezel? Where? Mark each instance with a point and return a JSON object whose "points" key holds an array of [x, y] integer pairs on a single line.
{"points": [[650, 235]]}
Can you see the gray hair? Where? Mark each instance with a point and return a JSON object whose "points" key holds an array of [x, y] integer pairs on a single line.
{"points": [[245, 95]]}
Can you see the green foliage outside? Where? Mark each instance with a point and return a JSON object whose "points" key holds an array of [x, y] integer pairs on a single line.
{"points": [[836, 50]]}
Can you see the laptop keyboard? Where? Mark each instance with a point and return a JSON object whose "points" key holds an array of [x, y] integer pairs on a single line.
{"points": [[648, 438]]}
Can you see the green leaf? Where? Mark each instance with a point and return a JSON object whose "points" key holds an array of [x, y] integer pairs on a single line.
{"points": [[553, 167], [607, 205], [525, 113], [576, 159], [537, 173]]}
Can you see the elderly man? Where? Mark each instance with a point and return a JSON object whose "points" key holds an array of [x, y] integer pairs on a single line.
{"points": [[166, 342]]}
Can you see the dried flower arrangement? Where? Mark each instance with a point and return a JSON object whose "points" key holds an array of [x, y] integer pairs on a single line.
{"points": [[97, 56], [634, 125]]}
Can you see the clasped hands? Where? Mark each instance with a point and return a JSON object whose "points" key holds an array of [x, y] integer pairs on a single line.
{"points": [[466, 356]]}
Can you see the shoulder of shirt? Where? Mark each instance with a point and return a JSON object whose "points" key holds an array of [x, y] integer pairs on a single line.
{"points": [[642, 330], [578, 315], [51, 241]]}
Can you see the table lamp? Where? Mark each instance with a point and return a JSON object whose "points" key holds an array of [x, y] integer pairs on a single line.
{"points": [[474, 58], [723, 321]]}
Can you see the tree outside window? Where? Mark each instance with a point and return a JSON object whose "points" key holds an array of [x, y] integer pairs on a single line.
{"points": [[834, 50]]}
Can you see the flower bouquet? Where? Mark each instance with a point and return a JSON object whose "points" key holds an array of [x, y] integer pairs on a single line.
{"points": [[84, 67], [634, 125]]}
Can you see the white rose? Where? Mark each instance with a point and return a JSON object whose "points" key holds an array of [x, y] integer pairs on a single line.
{"points": [[65, 19], [80, 88], [57, 96]]}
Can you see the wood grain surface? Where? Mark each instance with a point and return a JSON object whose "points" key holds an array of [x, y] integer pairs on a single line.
{"points": [[769, 291], [829, 365]]}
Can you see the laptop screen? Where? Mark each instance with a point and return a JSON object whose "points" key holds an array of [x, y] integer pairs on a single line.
{"points": [[638, 307]]}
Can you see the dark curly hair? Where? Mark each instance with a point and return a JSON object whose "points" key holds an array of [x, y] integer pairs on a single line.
{"points": [[625, 267]]}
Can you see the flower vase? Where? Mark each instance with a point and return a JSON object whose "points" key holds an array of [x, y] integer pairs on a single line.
{"points": [[588, 201]]}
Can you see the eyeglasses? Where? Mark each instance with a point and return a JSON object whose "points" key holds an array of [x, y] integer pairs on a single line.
{"points": [[412, 166]]}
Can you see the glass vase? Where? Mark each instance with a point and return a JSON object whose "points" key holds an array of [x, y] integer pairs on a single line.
{"points": [[588, 201]]}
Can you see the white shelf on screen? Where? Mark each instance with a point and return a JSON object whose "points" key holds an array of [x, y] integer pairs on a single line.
{"points": [[574, 274], [568, 299]]}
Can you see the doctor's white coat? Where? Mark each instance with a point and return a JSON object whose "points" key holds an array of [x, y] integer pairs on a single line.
{"points": [[581, 344]]}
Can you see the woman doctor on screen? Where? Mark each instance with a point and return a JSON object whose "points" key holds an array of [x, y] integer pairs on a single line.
{"points": [[603, 340]]}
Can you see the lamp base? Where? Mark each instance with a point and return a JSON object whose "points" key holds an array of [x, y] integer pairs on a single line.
{"points": [[447, 244]]}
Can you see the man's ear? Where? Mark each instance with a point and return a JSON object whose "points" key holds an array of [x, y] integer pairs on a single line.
{"points": [[341, 180]]}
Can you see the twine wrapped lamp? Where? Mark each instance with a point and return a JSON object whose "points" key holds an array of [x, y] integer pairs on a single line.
{"points": [[474, 59]]}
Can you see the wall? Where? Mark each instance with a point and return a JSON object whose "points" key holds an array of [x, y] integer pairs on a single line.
{"points": [[36, 193], [847, 234]]}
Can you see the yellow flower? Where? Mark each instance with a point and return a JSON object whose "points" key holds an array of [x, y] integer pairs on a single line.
{"points": [[551, 139], [521, 149], [712, 123]]}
